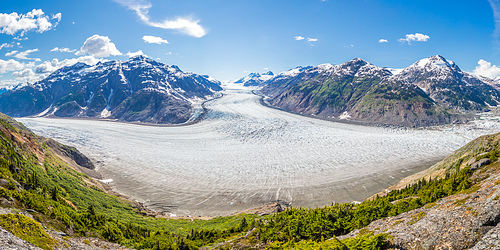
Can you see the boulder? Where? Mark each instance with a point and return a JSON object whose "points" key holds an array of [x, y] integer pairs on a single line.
{"points": [[480, 163], [3, 182]]}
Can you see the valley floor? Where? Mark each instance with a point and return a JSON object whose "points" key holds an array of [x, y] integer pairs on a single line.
{"points": [[244, 155]]}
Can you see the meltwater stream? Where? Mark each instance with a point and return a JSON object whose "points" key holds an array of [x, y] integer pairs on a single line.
{"points": [[243, 155]]}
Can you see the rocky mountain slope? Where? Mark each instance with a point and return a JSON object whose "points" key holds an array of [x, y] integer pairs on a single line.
{"points": [[137, 90], [467, 220], [255, 79], [432, 91]]}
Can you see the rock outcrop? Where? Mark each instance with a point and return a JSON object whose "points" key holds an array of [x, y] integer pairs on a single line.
{"points": [[469, 219]]}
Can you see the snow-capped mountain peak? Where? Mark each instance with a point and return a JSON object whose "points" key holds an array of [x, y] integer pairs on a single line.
{"points": [[255, 79], [436, 62], [138, 89]]}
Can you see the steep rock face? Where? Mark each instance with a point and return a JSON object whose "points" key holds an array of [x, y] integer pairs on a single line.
{"points": [[139, 89], [432, 91]]}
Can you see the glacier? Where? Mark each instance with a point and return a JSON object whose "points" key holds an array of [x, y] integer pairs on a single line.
{"points": [[243, 155]]}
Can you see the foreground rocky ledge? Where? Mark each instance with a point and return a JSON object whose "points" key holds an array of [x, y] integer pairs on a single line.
{"points": [[462, 221]]}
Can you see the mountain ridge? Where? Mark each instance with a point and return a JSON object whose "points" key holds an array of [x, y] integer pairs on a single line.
{"points": [[137, 90], [432, 91]]}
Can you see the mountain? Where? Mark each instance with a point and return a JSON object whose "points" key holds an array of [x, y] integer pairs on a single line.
{"points": [[445, 83], [137, 90], [431, 91], [255, 79]]}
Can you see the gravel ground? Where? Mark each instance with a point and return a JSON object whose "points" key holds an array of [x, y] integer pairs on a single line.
{"points": [[244, 155]]}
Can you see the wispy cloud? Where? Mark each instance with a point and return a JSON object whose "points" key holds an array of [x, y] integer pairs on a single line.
{"points": [[137, 53], [11, 53], [6, 45], [495, 6], [36, 20], [309, 40], [154, 39], [23, 54], [417, 37], [57, 49], [98, 46], [186, 25], [383, 41]]}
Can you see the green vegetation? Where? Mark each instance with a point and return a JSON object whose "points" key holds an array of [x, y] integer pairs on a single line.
{"points": [[338, 94], [297, 224], [492, 155], [360, 242], [27, 229]]}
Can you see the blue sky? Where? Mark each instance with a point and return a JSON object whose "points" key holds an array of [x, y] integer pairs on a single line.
{"points": [[228, 39]]}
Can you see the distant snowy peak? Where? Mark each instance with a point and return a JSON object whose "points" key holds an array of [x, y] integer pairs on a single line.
{"points": [[355, 68], [293, 72], [255, 79]]}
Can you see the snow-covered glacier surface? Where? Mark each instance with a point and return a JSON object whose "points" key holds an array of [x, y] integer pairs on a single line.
{"points": [[243, 155]]}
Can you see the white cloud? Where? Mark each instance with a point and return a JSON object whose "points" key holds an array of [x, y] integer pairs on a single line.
{"points": [[186, 25], [26, 73], [13, 65], [6, 45], [57, 16], [418, 37], [137, 53], [383, 41], [57, 49], [312, 39], [298, 38], [154, 39], [98, 46], [23, 54], [34, 20], [47, 66], [11, 53], [486, 69], [51, 66]]}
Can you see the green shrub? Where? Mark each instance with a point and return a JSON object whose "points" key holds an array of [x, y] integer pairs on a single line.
{"points": [[27, 229]]}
